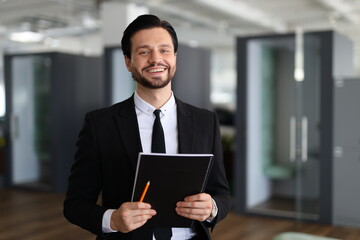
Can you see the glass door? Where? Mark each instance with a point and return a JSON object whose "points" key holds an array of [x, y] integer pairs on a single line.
{"points": [[30, 121], [282, 127], [305, 123]]}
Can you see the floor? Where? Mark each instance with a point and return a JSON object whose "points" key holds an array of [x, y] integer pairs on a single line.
{"points": [[29, 215], [238, 227]]}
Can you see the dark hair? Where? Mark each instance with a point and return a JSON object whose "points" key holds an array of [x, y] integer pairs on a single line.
{"points": [[142, 22]]}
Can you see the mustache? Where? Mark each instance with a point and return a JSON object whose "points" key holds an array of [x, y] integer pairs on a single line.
{"points": [[153, 65]]}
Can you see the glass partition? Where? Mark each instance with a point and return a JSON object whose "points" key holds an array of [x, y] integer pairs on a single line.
{"points": [[30, 121], [282, 128]]}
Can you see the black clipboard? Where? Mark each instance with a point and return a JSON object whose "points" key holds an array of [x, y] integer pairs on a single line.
{"points": [[172, 178]]}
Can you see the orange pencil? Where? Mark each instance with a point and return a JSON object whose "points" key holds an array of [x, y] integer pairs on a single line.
{"points": [[144, 191]]}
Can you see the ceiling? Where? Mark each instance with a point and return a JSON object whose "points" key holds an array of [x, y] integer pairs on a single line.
{"points": [[208, 23]]}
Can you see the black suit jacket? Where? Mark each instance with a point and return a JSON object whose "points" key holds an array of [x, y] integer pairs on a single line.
{"points": [[105, 162]]}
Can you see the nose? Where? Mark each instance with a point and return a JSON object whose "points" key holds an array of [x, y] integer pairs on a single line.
{"points": [[155, 57]]}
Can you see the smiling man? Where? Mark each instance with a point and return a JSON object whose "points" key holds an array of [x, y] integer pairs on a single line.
{"points": [[112, 137], [152, 64]]}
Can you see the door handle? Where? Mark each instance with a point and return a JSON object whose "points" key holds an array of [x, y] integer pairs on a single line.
{"points": [[292, 150], [304, 139]]}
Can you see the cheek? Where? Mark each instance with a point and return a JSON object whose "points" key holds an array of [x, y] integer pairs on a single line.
{"points": [[172, 62], [138, 64], [173, 69]]}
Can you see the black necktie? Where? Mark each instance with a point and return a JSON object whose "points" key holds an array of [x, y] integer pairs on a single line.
{"points": [[158, 146], [158, 141]]}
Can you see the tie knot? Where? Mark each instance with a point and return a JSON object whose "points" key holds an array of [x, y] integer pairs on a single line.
{"points": [[157, 112]]}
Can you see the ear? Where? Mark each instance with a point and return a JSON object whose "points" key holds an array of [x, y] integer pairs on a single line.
{"points": [[127, 63]]}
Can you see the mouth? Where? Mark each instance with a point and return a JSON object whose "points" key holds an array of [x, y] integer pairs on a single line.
{"points": [[156, 70]]}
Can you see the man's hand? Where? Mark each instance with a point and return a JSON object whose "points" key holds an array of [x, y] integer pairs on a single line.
{"points": [[130, 216], [197, 207]]}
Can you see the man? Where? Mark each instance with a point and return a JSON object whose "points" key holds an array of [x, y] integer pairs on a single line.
{"points": [[112, 137]]}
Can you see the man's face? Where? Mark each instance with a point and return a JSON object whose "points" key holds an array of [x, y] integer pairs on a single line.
{"points": [[153, 60]]}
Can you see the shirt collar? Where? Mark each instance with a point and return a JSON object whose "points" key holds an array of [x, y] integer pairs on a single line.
{"points": [[148, 109]]}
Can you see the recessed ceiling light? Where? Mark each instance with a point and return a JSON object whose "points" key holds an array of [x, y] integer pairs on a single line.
{"points": [[26, 37]]}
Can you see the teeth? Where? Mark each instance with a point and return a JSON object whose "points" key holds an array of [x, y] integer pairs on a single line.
{"points": [[156, 70]]}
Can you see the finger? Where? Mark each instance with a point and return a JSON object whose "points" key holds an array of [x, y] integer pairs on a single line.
{"points": [[199, 215], [128, 220], [198, 197], [204, 204], [128, 216], [193, 211], [149, 212], [136, 205], [131, 209], [141, 218]]}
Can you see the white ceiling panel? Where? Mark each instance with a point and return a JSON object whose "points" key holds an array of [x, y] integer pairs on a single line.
{"points": [[207, 22]]}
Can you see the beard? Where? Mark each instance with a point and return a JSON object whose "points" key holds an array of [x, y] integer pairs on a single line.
{"points": [[155, 82]]}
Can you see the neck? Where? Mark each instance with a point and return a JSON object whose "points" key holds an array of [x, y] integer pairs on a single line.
{"points": [[155, 97]]}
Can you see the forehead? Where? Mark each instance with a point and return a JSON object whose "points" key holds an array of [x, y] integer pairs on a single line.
{"points": [[151, 37]]}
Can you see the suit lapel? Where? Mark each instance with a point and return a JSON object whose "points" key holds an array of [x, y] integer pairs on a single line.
{"points": [[185, 128], [127, 124], [126, 120]]}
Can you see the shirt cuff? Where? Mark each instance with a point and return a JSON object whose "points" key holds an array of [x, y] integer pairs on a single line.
{"points": [[214, 211], [106, 221]]}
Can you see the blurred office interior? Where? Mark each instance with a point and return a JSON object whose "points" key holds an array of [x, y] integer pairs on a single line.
{"points": [[283, 76]]}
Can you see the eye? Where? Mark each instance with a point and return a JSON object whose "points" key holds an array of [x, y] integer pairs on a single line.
{"points": [[144, 52], [164, 51]]}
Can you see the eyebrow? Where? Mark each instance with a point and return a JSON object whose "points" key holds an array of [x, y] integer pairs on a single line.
{"points": [[149, 46]]}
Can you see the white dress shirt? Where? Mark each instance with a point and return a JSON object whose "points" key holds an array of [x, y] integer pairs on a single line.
{"points": [[168, 118]]}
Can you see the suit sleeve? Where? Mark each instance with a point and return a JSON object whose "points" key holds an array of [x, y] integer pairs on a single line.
{"points": [[80, 205], [217, 185]]}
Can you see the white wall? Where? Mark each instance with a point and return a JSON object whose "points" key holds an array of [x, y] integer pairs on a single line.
{"points": [[2, 86], [258, 185]]}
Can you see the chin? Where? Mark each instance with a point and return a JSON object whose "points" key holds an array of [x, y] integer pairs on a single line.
{"points": [[153, 83]]}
